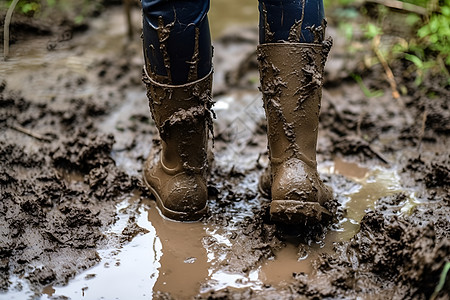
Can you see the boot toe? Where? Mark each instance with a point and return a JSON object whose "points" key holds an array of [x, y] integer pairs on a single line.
{"points": [[298, 194], [295, 180]]}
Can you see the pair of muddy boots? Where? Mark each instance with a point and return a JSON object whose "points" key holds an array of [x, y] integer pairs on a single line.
{"points": [[291, 83]]}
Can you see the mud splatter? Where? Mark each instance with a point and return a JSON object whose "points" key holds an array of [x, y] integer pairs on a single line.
{"points": [[193, 63], [268, 34], [318, 32], [163, 36], [312, 78], [295, 33], [161, 100]]}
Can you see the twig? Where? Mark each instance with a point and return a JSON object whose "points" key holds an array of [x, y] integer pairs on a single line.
{"points": [[30, 133], [402, 6], [422, 130], [379, 155], [6, 29], [387, 69]]}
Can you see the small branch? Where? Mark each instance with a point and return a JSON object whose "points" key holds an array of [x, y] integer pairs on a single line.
{"points": [[387, 69], [402, 6], [6, 29], [30, 133], [422, 130], [379, 155]]}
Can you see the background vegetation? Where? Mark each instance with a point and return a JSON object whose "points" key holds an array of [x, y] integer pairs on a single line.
{"points": [[384, 31], [415, 31]]}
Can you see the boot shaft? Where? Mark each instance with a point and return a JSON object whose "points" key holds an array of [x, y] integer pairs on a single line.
{"points": [[291, 82], [183, 116]]}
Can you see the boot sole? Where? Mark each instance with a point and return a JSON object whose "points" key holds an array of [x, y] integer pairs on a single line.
{"points": [[298, 212], [175, 215]]}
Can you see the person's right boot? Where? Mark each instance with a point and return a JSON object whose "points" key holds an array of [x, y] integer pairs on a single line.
{"points": [[176, 172], [291, 82]]}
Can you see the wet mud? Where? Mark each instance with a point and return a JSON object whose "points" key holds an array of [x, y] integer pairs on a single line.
{"points": [[75, 131]]}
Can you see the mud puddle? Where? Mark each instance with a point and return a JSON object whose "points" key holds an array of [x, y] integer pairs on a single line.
{"points": [[185, 259], [92, 83], [369, 185]]}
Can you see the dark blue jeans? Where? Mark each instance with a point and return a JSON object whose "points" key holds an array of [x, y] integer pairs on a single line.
{"points": [[177, 41]]}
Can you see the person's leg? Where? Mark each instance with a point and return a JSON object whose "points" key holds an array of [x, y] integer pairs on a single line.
{"points": [[295, 21], [291, 55], [177, 41], [178, 75]]}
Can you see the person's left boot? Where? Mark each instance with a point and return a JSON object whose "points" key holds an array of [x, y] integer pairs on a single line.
{"points": [[291, 83]]}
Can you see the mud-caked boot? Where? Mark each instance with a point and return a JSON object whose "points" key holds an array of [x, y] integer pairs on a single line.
{"points": [[176, 172], [291, 83]]}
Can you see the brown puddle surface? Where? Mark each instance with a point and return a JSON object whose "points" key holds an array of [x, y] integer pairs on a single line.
{"points": [[185, 258]]}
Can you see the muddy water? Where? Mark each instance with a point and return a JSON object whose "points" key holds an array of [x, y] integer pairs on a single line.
{"points": [[172, 257], [73, 56], [185, 258], [369, 185]]}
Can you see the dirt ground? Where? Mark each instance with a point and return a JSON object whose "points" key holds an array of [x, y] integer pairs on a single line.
{"points": [[75, 131]]}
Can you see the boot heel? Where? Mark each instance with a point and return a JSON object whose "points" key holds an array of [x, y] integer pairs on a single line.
{"points": [[298, 212]]}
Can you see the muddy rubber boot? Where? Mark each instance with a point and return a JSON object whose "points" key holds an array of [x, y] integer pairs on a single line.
{"points": [[176, 172], [291, 82]]}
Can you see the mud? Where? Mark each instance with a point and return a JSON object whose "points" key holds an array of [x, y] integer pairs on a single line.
{"points": [[75, 131]]}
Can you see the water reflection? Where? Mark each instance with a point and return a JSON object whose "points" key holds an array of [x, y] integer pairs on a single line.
{"points": [[129, 272], [183, 263]]}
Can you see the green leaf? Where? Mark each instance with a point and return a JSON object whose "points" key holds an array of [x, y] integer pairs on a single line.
{"points": [[445, 10], [368, 93], [27, 7], [412, 19], [79, 19], [415, 60], [347, 29], [441, 281], [371, 30]]}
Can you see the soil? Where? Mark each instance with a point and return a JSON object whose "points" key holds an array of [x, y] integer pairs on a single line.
{"points": [[76, 130]]}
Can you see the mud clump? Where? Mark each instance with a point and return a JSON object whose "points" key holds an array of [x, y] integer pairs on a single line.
{"points": [[414, 255], [58, 193], [84, 152], [409, 260], [434, 172], [438, 176]]}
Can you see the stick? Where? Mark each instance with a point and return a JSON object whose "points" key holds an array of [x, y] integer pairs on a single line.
{"points": [[379, 155], [402, 6], [387, 69], [6, 29], [30, 133], [422, 130]]}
